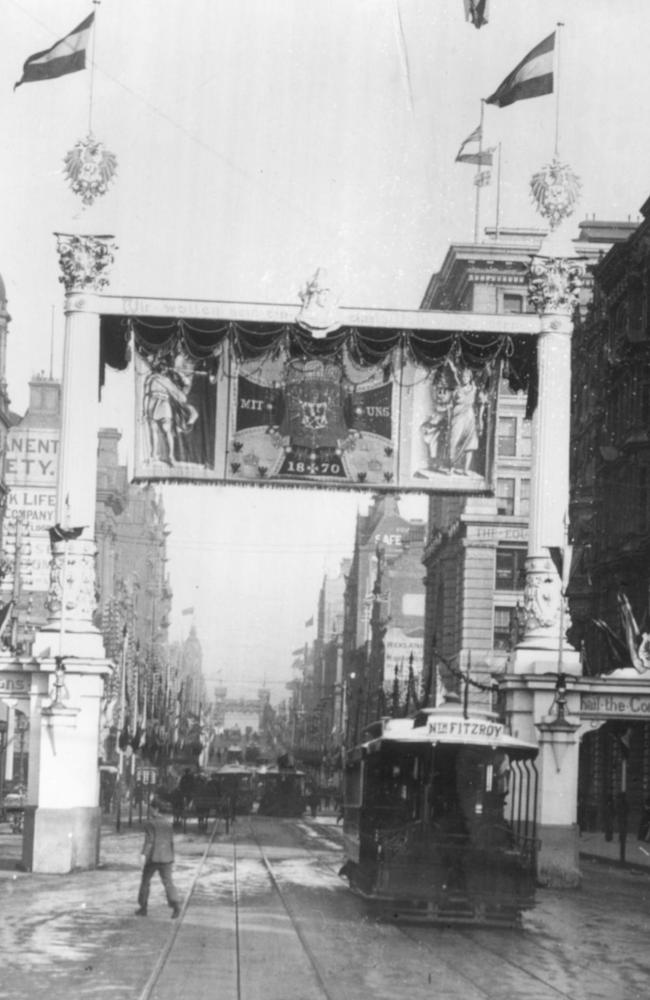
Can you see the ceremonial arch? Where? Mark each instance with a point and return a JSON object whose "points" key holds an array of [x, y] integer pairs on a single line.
{"points": [[319, 396]]}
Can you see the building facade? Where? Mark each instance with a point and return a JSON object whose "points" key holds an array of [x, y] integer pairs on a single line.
{"points": [[610, 529], [383, 627], [475, 556]]}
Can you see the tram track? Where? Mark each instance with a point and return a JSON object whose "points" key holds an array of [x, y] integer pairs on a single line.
{"points": [[167, 950], [249, 912], [313, 962]]}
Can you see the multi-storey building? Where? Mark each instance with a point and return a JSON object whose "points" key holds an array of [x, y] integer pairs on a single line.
{"points": [[610, 524], [328, 676], [383, 615], [476, 546], [134, 595], [31, 458]]}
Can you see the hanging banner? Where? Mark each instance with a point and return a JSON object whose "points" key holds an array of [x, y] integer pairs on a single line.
{"points": [[316, 420], [448, 427], [175, 419], [312, 420]]}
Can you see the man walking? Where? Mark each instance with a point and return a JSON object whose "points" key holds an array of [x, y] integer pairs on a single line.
{"points": [[158, 853]]}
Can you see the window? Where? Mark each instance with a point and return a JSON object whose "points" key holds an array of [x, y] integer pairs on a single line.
{"points": [[507, 445], [510, 568], [501, 639], [524, 497], [526, 438], [513, 303], [505, 496]]}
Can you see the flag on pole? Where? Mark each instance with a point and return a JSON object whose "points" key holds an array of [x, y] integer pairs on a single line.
{"points": [[483, 178], [5, 612], [533, 77], [482, 157], [68, 55], [476, 11], [309, 622]]}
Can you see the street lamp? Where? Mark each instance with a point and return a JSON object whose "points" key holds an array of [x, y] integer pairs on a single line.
{"points": [[22, 725]]}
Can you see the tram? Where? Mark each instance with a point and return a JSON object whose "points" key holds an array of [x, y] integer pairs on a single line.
{"points": [[236, 783], [281, 791], [439, 818]]}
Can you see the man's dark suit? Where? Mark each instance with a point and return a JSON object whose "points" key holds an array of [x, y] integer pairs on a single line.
{"points": [[158, 850]]}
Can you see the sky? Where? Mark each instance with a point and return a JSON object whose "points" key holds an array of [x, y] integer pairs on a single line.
{"points": [[256, 141]]}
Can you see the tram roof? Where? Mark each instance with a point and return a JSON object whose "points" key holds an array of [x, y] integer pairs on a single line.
{"points": [[446, 725], [264, 771]]}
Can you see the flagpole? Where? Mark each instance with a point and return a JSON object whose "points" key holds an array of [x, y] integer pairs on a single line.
{"points": [[560, 24], [96, 4], [498, 218], [121, 719], [477, 204]]}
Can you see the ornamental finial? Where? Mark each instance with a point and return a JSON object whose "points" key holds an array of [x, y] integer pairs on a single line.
{"points": [[319, 312], [555, 189], [89, 168], [83, 261]]}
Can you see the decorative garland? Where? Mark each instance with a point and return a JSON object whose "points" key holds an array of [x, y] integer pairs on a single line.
{"points": [[204, 341]]}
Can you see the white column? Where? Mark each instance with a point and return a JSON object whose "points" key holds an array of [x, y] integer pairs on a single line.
{"points": [[63, 816], [72, 598], [553, 287]]}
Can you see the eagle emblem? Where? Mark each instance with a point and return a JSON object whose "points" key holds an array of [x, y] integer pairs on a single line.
{"points": [[314, 415], [89, 168]]}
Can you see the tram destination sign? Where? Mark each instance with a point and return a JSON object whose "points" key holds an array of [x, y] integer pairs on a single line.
{"points": [[465, 729], [634, 706]]}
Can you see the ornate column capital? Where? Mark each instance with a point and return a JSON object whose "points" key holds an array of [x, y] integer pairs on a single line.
{"points": [[554, 284], [84, 260]]}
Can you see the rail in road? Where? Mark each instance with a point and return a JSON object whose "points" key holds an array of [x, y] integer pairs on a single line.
{"points": [[241, 937], [163, 979], [265, 916]]}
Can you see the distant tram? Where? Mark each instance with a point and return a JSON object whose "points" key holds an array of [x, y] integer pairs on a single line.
{"points": [[281, 791], [439, 818], [236, 784]]}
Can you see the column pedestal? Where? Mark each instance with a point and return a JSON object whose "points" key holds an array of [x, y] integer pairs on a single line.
{"points": [[62, 817], [558, 864]]}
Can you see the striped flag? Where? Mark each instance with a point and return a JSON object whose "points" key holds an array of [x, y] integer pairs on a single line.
{"points": [[533, 77], [68, 55], [476, 11], [482, 157]]}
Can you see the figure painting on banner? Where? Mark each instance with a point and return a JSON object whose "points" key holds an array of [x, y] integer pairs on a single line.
{"points": [[331, 417], [175, 414], [452, 420], [467, 422]]}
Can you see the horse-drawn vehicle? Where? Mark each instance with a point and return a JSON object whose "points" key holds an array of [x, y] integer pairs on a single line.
{"points": [[439, 818], [223, 793]]}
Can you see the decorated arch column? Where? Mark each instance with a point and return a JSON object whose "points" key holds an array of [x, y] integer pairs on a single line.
{"points": [[542, 660], [62, 820]]}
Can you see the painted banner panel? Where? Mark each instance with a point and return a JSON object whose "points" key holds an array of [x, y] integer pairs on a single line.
{"points": [[312, 420], [175, 419], [448, 427], [316, 419]]}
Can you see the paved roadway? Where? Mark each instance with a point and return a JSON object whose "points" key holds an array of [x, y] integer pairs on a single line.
{"points": [[266, 917]]}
